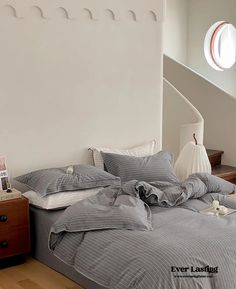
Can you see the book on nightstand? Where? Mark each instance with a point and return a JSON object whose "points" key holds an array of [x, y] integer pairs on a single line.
{"points": [[14, 194]]}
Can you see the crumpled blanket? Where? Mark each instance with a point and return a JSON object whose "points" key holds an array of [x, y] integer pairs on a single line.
{"points": [[196, 186], [126, 207], [137, 236]]}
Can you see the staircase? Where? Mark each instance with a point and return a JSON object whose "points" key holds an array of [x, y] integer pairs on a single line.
{"points": [[202, 94], [225, 172]]}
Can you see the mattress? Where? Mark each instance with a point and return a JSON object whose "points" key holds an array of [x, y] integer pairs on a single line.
{"points": [[41, 221]]}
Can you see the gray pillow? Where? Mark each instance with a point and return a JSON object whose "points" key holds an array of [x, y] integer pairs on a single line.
{"points": [[151, 168], [109, 209], [50, 181]]}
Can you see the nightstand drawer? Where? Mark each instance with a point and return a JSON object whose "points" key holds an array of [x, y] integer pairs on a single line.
{"points": [[14, 243], [13, 214]]}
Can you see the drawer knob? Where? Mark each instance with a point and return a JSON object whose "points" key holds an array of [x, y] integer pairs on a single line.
{"points": [[3, 218], [3, 244]]}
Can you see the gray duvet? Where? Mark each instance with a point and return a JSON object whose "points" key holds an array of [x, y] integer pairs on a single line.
{"points": [[151, 236]]}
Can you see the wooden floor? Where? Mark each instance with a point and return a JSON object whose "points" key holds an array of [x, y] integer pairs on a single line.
{"points": [[34, 275]]}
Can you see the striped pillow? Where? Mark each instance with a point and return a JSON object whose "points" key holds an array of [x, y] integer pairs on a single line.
{"points": [[51, 181], [143, 150], [157, 167]]}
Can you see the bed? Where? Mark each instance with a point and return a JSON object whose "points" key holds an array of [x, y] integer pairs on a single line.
{"points": [[186, 249]]}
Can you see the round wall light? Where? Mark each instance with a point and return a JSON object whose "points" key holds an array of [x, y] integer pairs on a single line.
{"points": [[220, 45]]}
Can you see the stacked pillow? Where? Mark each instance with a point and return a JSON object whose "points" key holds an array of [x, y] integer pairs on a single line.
{"points": [[140, 163], [157, 167], [61, 187], [79, 178], [146, 149]]}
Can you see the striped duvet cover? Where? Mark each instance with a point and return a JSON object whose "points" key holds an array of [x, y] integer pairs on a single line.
{"points": [[184, 249]]}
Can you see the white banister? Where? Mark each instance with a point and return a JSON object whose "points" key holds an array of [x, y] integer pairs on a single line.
{"points": [[181, 120]]}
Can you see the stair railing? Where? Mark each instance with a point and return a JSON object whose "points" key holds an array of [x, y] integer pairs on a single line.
{"points": [[192, 122]]}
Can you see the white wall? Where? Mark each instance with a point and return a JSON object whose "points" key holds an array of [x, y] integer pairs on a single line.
{"points": [[202, 14], [71, 78], [175, 29], [187, 22]]}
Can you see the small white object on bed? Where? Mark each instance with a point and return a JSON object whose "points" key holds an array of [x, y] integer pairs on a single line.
{"points": [[59, 200]]}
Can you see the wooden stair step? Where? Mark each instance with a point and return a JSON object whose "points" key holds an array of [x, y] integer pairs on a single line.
{"points": [[227, 173], [215, 157]]}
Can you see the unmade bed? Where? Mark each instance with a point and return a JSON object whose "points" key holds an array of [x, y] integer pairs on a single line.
{"points": [[186, 249]]}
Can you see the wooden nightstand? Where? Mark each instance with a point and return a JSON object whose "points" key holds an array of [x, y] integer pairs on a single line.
{"points": [[14, 228]]}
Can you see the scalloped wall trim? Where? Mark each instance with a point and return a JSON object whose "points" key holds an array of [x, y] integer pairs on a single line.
{"points": [[9, 10], [148, 10]]}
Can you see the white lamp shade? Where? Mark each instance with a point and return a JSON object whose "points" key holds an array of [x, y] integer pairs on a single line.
{"points": [[192, 159]]}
